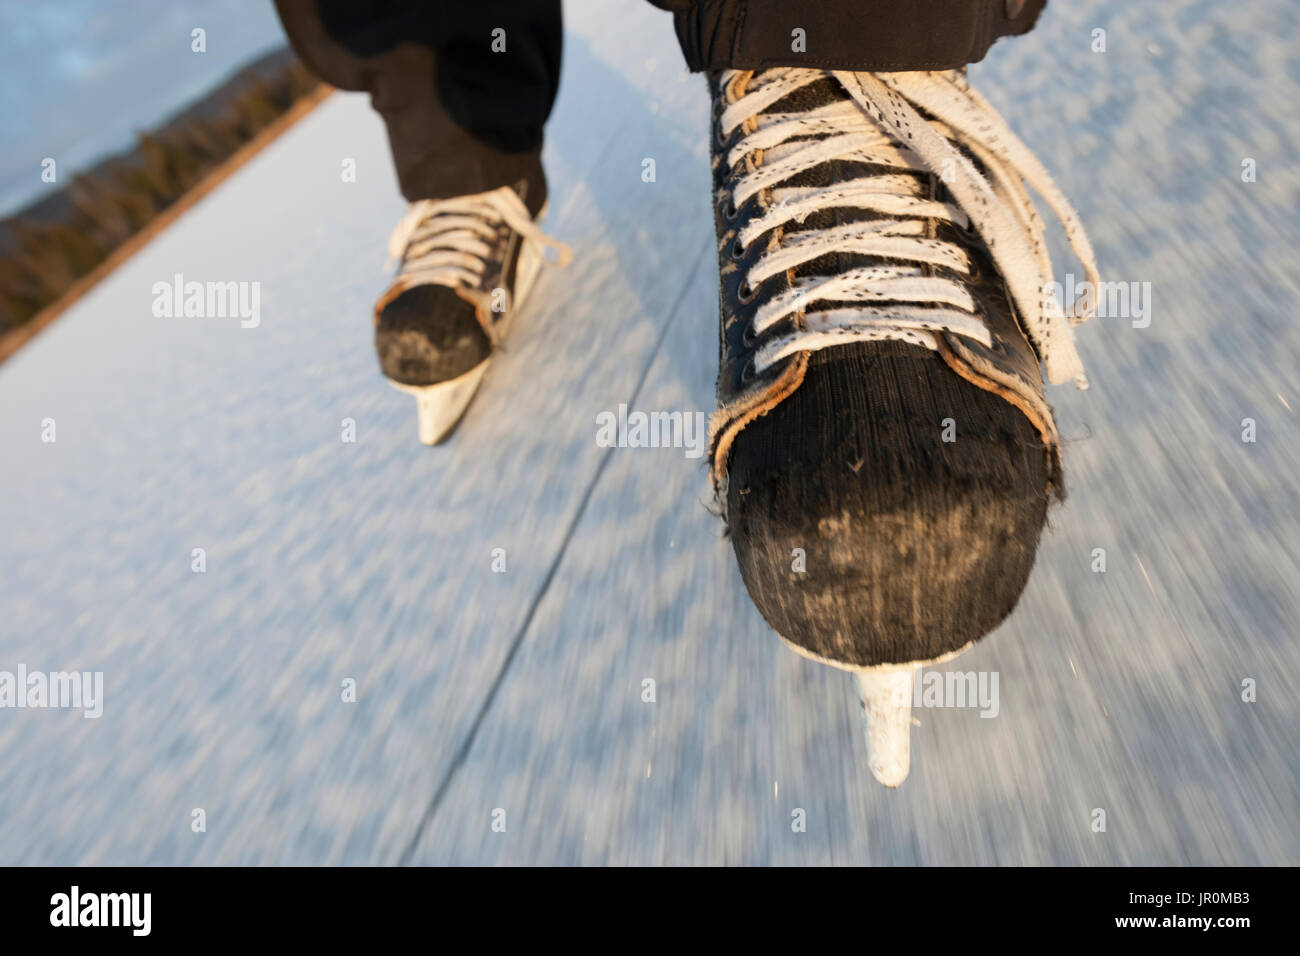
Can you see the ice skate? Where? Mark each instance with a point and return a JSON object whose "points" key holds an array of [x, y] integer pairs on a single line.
{"points": [[882, 451], [465, 267]]}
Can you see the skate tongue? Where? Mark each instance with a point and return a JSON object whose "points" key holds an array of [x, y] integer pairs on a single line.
{"points": [[821, 93], [532, 191]]}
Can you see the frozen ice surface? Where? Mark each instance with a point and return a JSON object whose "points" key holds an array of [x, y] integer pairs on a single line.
{"points": [[522, 691]]}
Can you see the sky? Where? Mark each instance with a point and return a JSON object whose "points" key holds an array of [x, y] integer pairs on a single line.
{"points": [[79, 77]]}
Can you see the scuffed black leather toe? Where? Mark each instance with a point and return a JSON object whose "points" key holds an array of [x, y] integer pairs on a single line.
{"points": [[429, 334], [911, 546]]}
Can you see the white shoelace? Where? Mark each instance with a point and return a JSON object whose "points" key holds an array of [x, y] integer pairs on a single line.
{"points": [[450, 241], [881, 125]]}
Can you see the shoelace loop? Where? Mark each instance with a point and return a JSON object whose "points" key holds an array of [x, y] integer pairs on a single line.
{"points": [[450, 241]]}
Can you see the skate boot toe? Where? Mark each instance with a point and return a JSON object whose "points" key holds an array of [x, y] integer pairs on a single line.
{"points": [[887, 512], [427, 335]]}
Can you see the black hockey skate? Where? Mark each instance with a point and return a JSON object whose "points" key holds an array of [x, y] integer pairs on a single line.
{"points": [[882, 451], [465, 266]]}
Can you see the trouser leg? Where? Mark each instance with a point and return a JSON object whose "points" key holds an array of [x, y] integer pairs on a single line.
{"points": [[844, 34], [464, 88]]}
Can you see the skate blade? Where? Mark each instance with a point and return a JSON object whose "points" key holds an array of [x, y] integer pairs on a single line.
{"points": [[887, 711], [440, 407]]}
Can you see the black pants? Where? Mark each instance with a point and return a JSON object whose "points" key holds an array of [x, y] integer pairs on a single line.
{"points": [[465, 86]]}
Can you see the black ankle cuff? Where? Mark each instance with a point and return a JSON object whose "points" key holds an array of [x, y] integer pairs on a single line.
{"points": [[845, 34]]}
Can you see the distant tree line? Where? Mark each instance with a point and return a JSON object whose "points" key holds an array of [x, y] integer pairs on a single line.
{"points": [[47, 247]]}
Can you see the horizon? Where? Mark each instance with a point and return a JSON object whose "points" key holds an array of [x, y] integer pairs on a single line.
{"points": [[108, 79]]}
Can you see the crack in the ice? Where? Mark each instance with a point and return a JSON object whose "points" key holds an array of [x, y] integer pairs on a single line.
{"points": [[463, 752]]}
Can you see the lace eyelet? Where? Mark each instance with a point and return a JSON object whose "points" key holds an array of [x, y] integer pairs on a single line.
{"points": [[749, 337], [720, 137], [748, 373], [737, 250], [731, 212], [743, 297]]}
